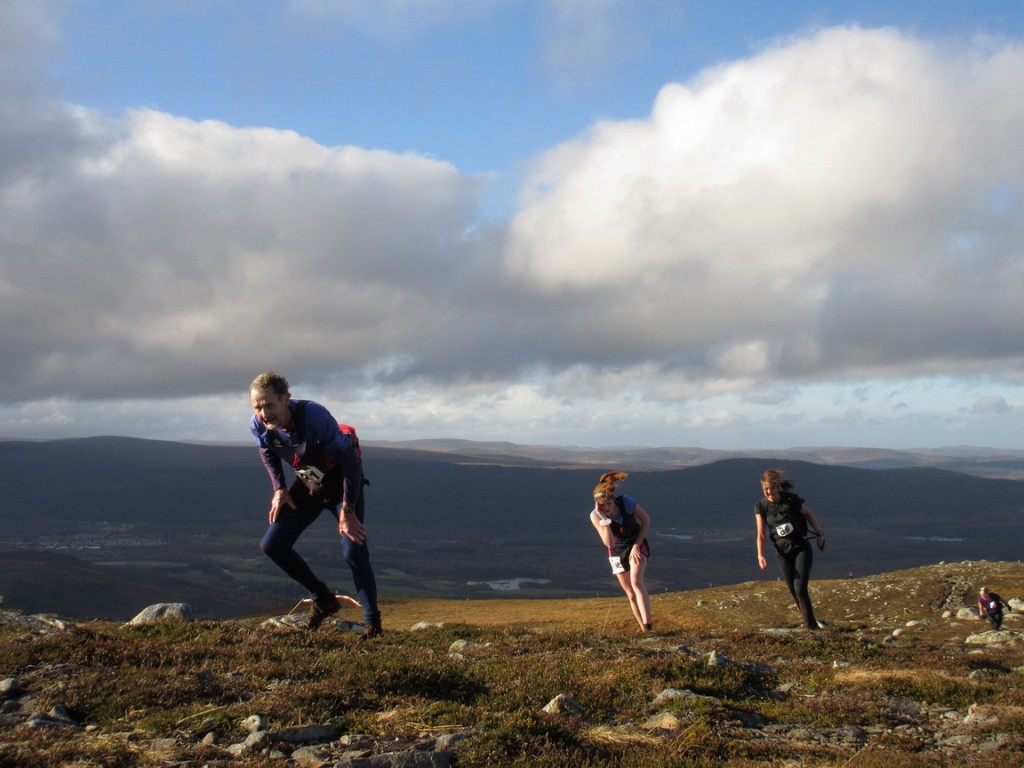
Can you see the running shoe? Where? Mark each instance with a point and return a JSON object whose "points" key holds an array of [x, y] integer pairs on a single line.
{"points": [[323, 606]]}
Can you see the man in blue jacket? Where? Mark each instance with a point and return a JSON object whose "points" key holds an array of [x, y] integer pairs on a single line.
{"points": [[328, 475]]}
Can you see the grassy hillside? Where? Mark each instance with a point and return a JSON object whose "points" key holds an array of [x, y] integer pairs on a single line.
{"points": [[890, 682]]}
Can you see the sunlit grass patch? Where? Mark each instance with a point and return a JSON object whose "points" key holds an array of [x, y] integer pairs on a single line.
{"points": [[928, 685]]}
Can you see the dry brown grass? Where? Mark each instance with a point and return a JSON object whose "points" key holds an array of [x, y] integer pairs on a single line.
{"points": [[162, 681]]}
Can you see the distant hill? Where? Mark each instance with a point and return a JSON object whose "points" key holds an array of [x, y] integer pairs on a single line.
{"points": [[985, 462], [144, 518]]}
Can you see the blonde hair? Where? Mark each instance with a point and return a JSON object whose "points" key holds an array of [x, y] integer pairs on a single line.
{"points": [[775, 477], [608, 484]]}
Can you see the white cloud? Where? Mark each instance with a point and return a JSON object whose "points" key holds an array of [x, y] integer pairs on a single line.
{"points": [[838, 208], [799, 213], [175, 248], [991, 405]]}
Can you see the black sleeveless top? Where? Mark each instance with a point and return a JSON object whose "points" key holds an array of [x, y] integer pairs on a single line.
{"points": [[787, 528]]}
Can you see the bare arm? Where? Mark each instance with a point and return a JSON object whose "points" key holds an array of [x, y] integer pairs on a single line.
{"points": [[761, 535], [603, 531], [645, 526]]}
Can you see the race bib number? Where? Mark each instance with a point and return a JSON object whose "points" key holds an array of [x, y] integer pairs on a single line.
{"points": [[783, 530], [617, 566], [311, 476]]}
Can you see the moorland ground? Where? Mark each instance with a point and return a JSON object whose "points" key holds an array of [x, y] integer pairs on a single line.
{"points": [[892, 681]]}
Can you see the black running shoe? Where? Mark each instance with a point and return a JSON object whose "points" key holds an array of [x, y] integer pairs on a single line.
{"points": [[323, 606], [372, 631]]}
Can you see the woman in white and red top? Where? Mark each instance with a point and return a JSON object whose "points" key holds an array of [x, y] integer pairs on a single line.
{"points": [[623, 526]]}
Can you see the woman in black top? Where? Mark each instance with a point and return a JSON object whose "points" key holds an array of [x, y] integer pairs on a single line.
{"points": [[782, 517]]}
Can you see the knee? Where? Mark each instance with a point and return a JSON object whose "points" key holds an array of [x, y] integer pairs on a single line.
{"points": [[271, 547]]}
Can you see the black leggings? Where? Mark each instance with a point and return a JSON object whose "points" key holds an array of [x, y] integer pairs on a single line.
{"points": [[796, 570], [995, 619], [279, 545]]}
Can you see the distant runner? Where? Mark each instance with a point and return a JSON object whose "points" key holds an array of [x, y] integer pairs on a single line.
{"points": [[782, 517], [990, 606], [623, 526], [328, 475]]}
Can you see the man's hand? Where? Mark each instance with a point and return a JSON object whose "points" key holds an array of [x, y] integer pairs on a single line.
{"points": [[281, 498], [762, 562], [349, 525]]}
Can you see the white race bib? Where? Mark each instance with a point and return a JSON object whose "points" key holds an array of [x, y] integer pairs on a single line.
{"points": [[617, 566], [783, 530], [311, 476]]}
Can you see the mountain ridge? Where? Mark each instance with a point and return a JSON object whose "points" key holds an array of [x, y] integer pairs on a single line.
{"points": [[144, 514]]}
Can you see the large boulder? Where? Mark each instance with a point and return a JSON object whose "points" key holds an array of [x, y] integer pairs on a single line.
{"points": [[163, 612]]}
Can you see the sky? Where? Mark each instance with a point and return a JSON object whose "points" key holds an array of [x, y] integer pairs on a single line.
{"points": [[600, 223]]}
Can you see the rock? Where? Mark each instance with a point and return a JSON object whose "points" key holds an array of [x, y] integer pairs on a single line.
{"points": [[312, 756], [162, 612], [992, 637], [676, 693], [715, 659], [254, 742], [294, 622], [254, 723], [463, 645], [58, 717], [998, 741], [563, 705], [421, 625], [980, 715], [967, 613], [61, 713], [448, 740], [38, 623], [9, 689], [958, 740]]}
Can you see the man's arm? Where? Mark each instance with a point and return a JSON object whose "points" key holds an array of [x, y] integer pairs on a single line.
{"points": [[275, 468]]}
